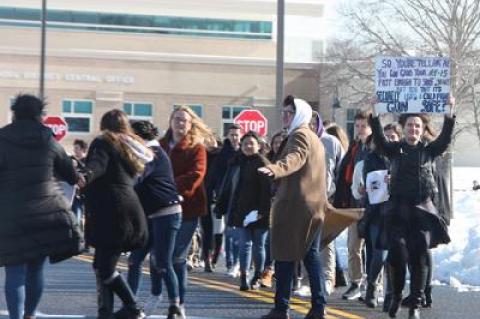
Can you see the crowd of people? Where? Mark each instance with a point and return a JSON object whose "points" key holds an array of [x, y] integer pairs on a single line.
{"points": [[188, 198]]}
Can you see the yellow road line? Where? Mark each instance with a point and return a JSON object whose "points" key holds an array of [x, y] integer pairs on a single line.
{"points": [[297, 304]]}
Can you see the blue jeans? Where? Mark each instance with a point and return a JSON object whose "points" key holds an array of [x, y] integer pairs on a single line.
{"points": [[255, 237], [23, 288], [77, 208], [231, 246], [135, 261], [284, 271], [165, 231], [378, 256], [182, 245]]}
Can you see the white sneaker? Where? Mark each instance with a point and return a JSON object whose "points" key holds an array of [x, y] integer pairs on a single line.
{"points": [[304, 291], [152, 303], [234, 272]]}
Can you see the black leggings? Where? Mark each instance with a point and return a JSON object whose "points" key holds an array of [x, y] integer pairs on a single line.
{"points": [[207, 235], [105, 262]]}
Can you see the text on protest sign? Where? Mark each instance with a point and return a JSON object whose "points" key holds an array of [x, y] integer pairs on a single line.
{"points": [[412, 85]]}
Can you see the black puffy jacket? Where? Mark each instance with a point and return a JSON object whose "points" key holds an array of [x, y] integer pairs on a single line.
{"points": [[35, 218], [115, 217]]}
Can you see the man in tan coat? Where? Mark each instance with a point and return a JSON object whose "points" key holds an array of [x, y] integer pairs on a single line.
{"points": [[298, 209]]}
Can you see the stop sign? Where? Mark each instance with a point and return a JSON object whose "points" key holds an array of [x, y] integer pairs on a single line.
{"points": [[57, 125], [252, 120]]}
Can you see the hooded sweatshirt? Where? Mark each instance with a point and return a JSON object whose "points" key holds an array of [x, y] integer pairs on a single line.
{"points": [[333, 155]]}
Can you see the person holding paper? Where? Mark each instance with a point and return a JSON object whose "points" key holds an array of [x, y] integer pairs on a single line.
{"points": [[375, 175], [248, 196], [414, 223]]}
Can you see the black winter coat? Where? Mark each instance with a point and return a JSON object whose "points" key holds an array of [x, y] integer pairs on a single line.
{"points": [[250, 190], [412, 187], [35, 217], [115, 217]]}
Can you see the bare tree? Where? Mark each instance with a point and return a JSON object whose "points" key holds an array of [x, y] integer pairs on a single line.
{"points": [[411, 27]]}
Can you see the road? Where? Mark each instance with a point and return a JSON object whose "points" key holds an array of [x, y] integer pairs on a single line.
{"points": [[70, 293]]}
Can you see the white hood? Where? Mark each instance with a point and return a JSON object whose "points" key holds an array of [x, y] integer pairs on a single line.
{"points": [[303, 115]]}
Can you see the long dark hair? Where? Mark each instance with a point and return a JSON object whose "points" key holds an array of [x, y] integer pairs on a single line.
{"points": [[114, 124]]}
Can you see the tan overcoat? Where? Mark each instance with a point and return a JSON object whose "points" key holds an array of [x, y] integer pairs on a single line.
{"points": [[300, 203]]}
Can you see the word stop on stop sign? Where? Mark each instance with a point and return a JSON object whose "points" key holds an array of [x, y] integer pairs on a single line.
{"points": [[251, 125]]}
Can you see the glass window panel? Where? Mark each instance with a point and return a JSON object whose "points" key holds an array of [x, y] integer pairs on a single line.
{"points": [[197, 109], [127, 108], [83, 107], [237, 110], [350, 114], [78, 124], [142, 109], [66, 106], [226, 126], [226, 112], [350, 130]]}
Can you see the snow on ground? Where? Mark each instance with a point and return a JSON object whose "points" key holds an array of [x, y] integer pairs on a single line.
{"points": [[456, 264]]}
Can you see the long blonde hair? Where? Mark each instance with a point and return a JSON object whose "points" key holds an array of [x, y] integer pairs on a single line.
{"points": [[113, 125], [199, 133]]}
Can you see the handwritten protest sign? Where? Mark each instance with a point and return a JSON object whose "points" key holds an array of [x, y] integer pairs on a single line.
{"points": [[412, 85]]}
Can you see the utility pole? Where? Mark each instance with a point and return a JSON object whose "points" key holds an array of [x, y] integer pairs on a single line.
{"points": [[280, 53], [41, 92]]}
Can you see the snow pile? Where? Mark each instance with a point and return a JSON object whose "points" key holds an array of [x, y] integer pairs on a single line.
{"points": [[458, 264]]}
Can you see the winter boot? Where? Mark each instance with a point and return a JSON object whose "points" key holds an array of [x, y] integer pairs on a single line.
{"points": [[414, 310], [104, 300], [386, 302], [208, 265], [371, 296], [276, 314], [427, 303], [243, 281], [267, 278]]}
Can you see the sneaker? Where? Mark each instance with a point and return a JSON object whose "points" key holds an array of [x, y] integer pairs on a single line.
{"points": [[329, 287], [152, 304], [303, 291], [352, 293], [130, 312], [175, 312], [234, 272]]}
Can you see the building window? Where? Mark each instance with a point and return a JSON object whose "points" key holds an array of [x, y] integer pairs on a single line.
{"points": [[136, 23], [228, 115], [78, 115], [351, 123], [138, 111], [197, 108]]}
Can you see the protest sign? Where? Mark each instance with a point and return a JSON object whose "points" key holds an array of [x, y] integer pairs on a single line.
{"points": [[412, 85]]}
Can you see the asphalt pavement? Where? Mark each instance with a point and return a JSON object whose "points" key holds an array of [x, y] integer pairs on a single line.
{"points": [[70, 293]]}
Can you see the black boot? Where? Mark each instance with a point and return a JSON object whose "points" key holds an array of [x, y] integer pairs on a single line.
{"points": [[427, 302], [397, 280], [104, 300], [371, 296], [414, 310], [130, 309], [255, 282], [394, 306], [386, 302], [243, 281], [340, 278], [208, 265]]}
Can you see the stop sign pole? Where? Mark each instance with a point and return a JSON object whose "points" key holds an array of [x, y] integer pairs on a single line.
{"points": [[252, 120], [57, 125]]}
